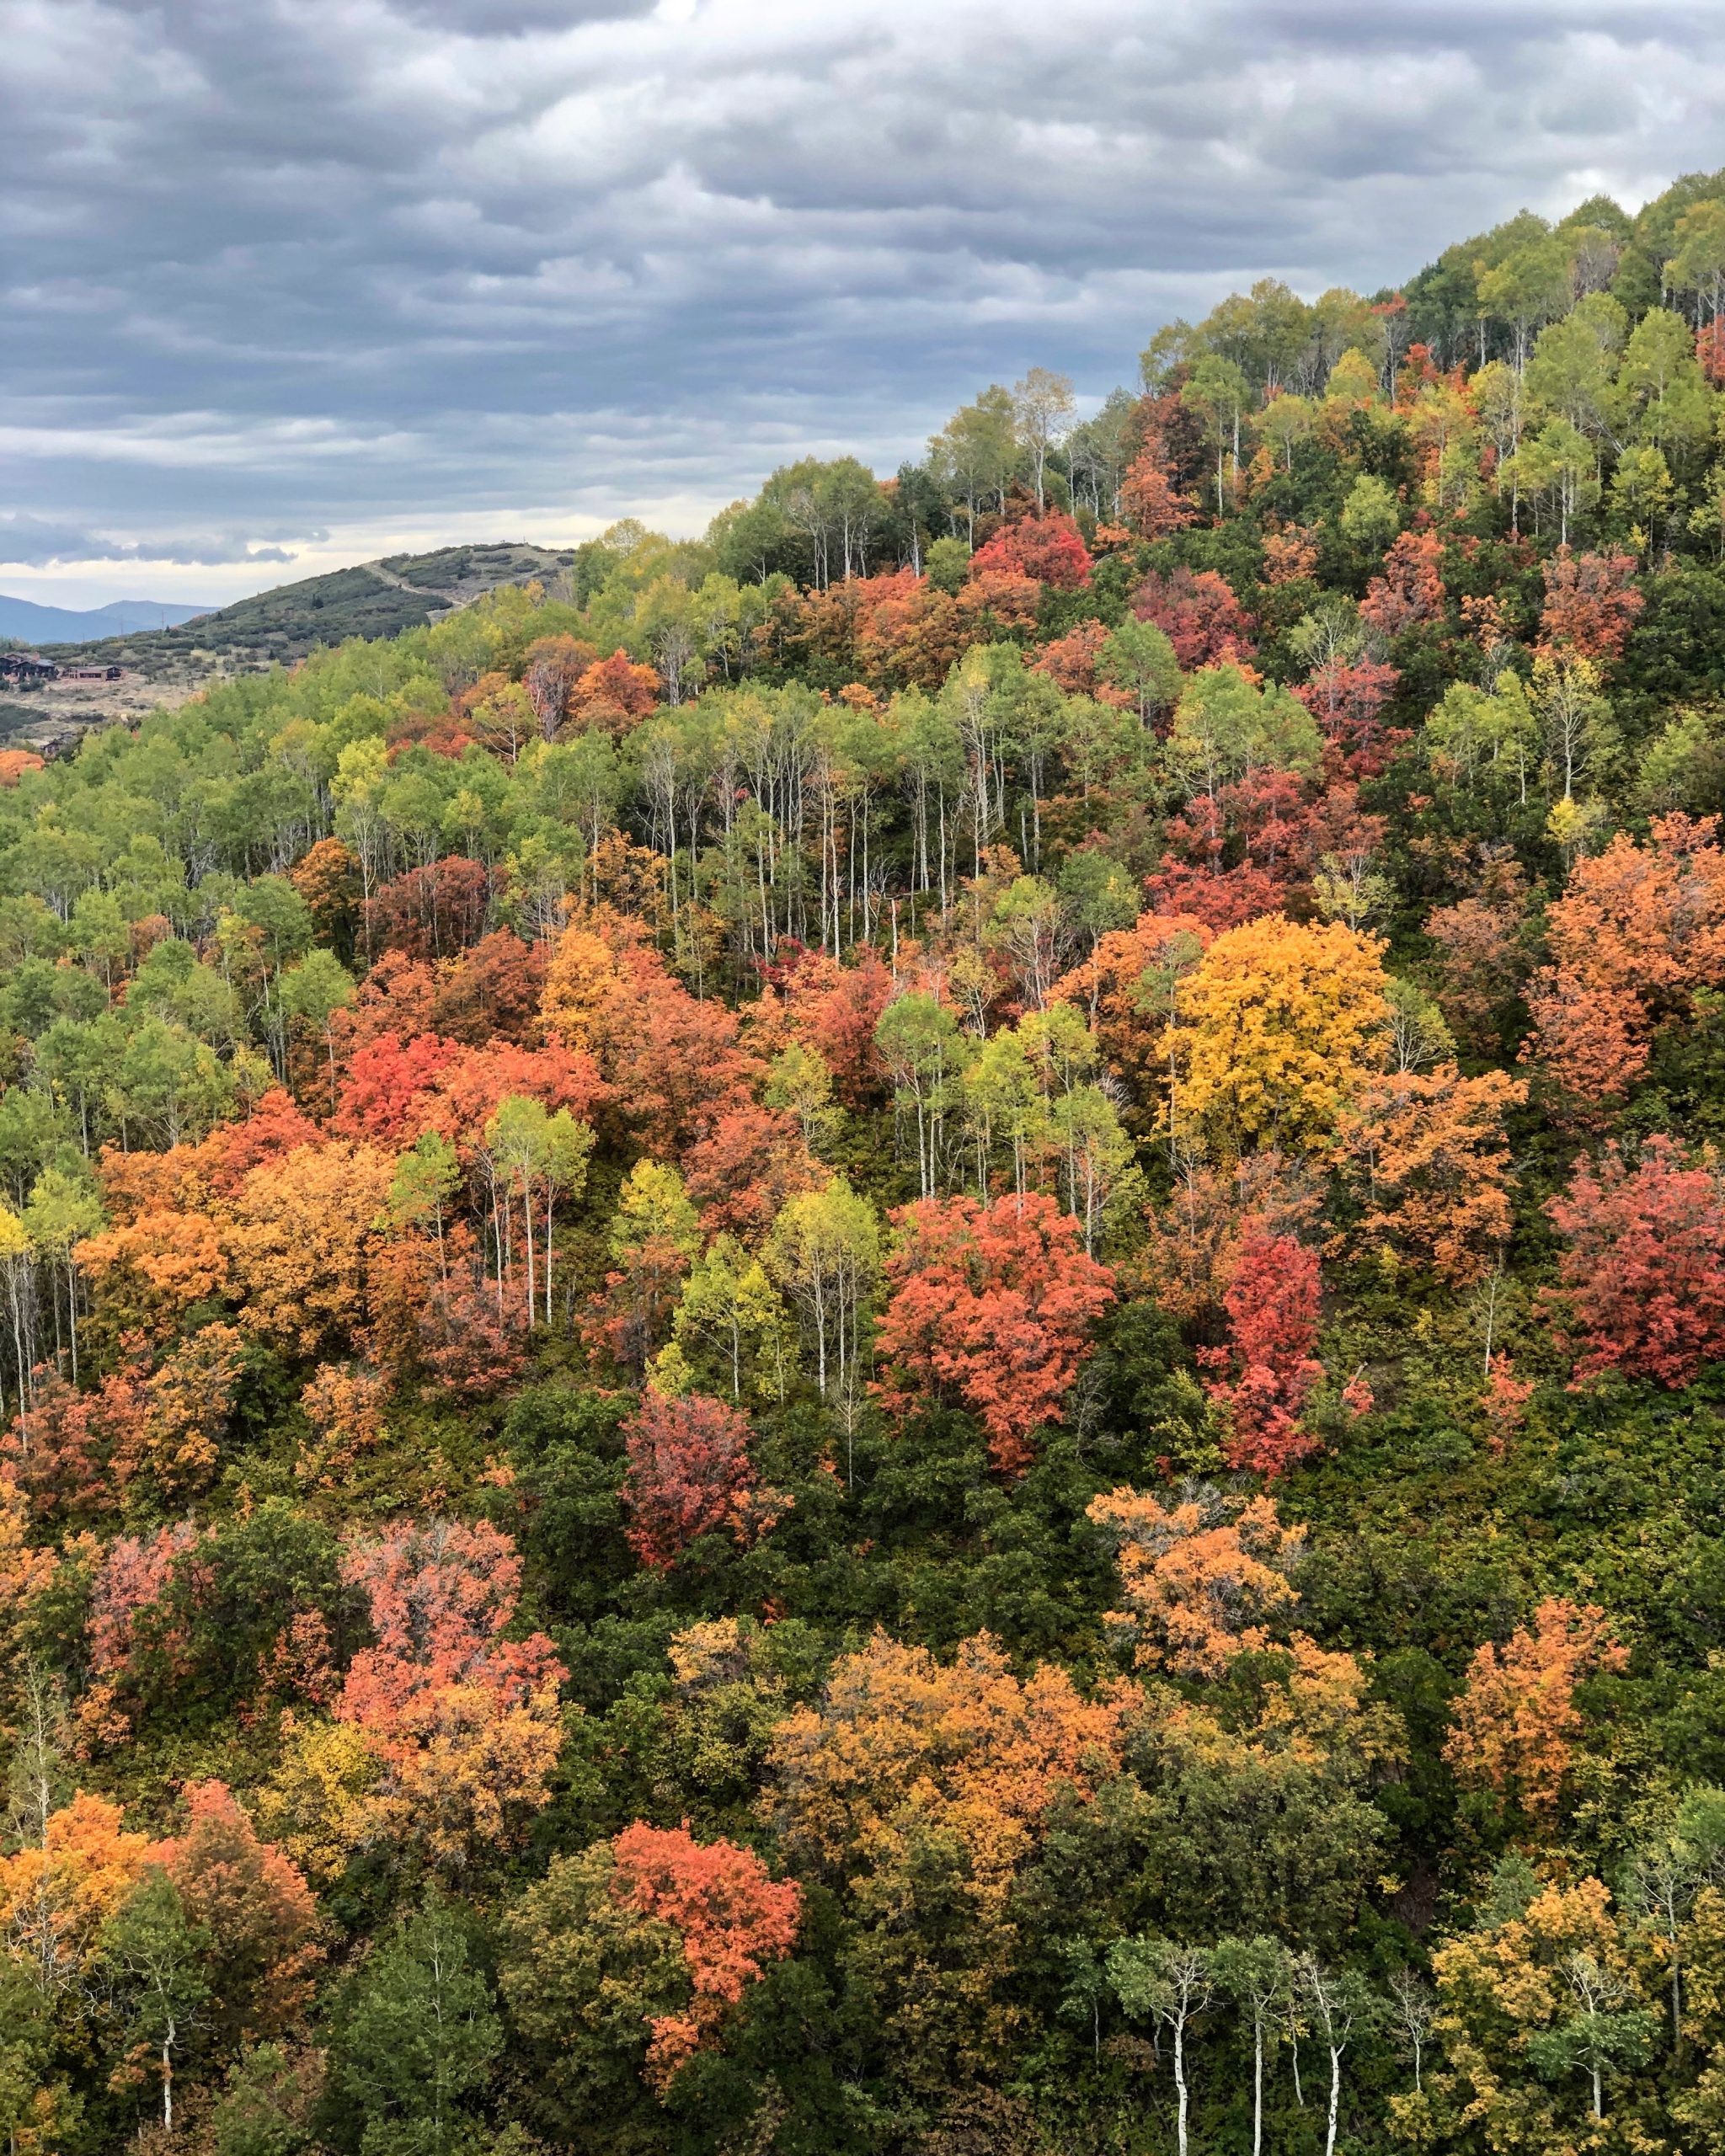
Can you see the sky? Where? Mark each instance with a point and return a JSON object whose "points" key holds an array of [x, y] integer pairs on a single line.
{"points": [[287, 284]]}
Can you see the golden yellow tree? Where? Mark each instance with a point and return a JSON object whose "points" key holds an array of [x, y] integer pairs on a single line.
{"points": [[1276, 1031]]}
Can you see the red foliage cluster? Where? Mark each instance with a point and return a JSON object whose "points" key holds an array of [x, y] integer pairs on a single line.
{"points": [[1346, 700], [730, 1917], [614, 694], [1410, 590], [431, 912], [744, 1166], [690, 1474], [1643, 1279], [1197, 611], [1272, 1302], [1071, 662], [1050, 548], [993, 1305], [1591, 604], [439, 1596], [394, 1091], [128, 1590], [1638, 930], [258, 1915], [834, 1009]]}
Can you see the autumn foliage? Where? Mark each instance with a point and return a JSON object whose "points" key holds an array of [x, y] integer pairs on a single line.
{"points": [[992, 1306], [1516, 1721], [690, 1474], [1203, 1580], [1268, 1370], [730, 1920], [1642, 1278]]}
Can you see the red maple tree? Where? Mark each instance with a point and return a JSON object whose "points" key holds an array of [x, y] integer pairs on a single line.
{"points": [[1643, 1277], [689, 1474], [1272, 1302], [993, 1305]]}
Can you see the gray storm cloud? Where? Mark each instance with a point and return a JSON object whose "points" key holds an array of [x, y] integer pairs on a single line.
{"points": [[272, 265]]}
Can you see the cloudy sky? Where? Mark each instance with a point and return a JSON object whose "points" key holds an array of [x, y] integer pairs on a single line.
{"points": [[289, 283]]}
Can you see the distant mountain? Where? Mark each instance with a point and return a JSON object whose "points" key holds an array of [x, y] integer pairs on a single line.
{"points": [[29, 623], [375, 599]]}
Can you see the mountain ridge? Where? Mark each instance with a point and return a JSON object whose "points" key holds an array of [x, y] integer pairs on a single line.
{"points": [[32, 623]]}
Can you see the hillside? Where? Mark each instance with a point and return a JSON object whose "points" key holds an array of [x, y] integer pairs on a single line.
{"points": [[904, 1334], [375, 598]]}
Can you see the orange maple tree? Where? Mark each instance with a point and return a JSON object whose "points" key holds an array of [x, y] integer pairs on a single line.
{"points": [[1516, 1720], [1204, 1577], [731, 1920], [1638, 930], [1426, 1154]]}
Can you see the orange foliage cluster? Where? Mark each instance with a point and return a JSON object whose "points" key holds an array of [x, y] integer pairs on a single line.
{"points": [[1638, 930], [1516, 1720], [1203, 1578], [994, 1303], [730, 1919]]}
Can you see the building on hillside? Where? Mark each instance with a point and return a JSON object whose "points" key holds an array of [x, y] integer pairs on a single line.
{"points": [[27, 670]]}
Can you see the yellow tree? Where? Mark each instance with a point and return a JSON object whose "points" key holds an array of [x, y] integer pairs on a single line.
{"points": [[1277, 1029], [1540, 2014]]}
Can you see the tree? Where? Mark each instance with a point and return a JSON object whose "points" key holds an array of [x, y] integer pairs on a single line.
{"points": [[823, 1251], [1516, 1719], [300, 1236], [927, 1786], [1043, 410], [1138, 659], [1269, 1369], [255, 1913], [1426, 1153], [1229, 726], [431, 912], [463, 1723], [1198, 612], [745, 1167], [1642, 1279], [1633, 936], [614, 694], [312, 993], [920, 1045], [642, 1949], [1172, 1986], [154, 1954], [1204, 1578], [417, 2036], [59, 1889], [993, 1305], [1592, 603], [543, 1156], [1410, 591], [1544, 1982], [729, 1310], [1047, 547], [690, 1474], [1257, 1974], [654, 1237], [1153, 506], [1278, 1029], [1338, 2001]]}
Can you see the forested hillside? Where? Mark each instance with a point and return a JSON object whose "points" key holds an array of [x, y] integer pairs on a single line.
{"points": [[908, 1334]]}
